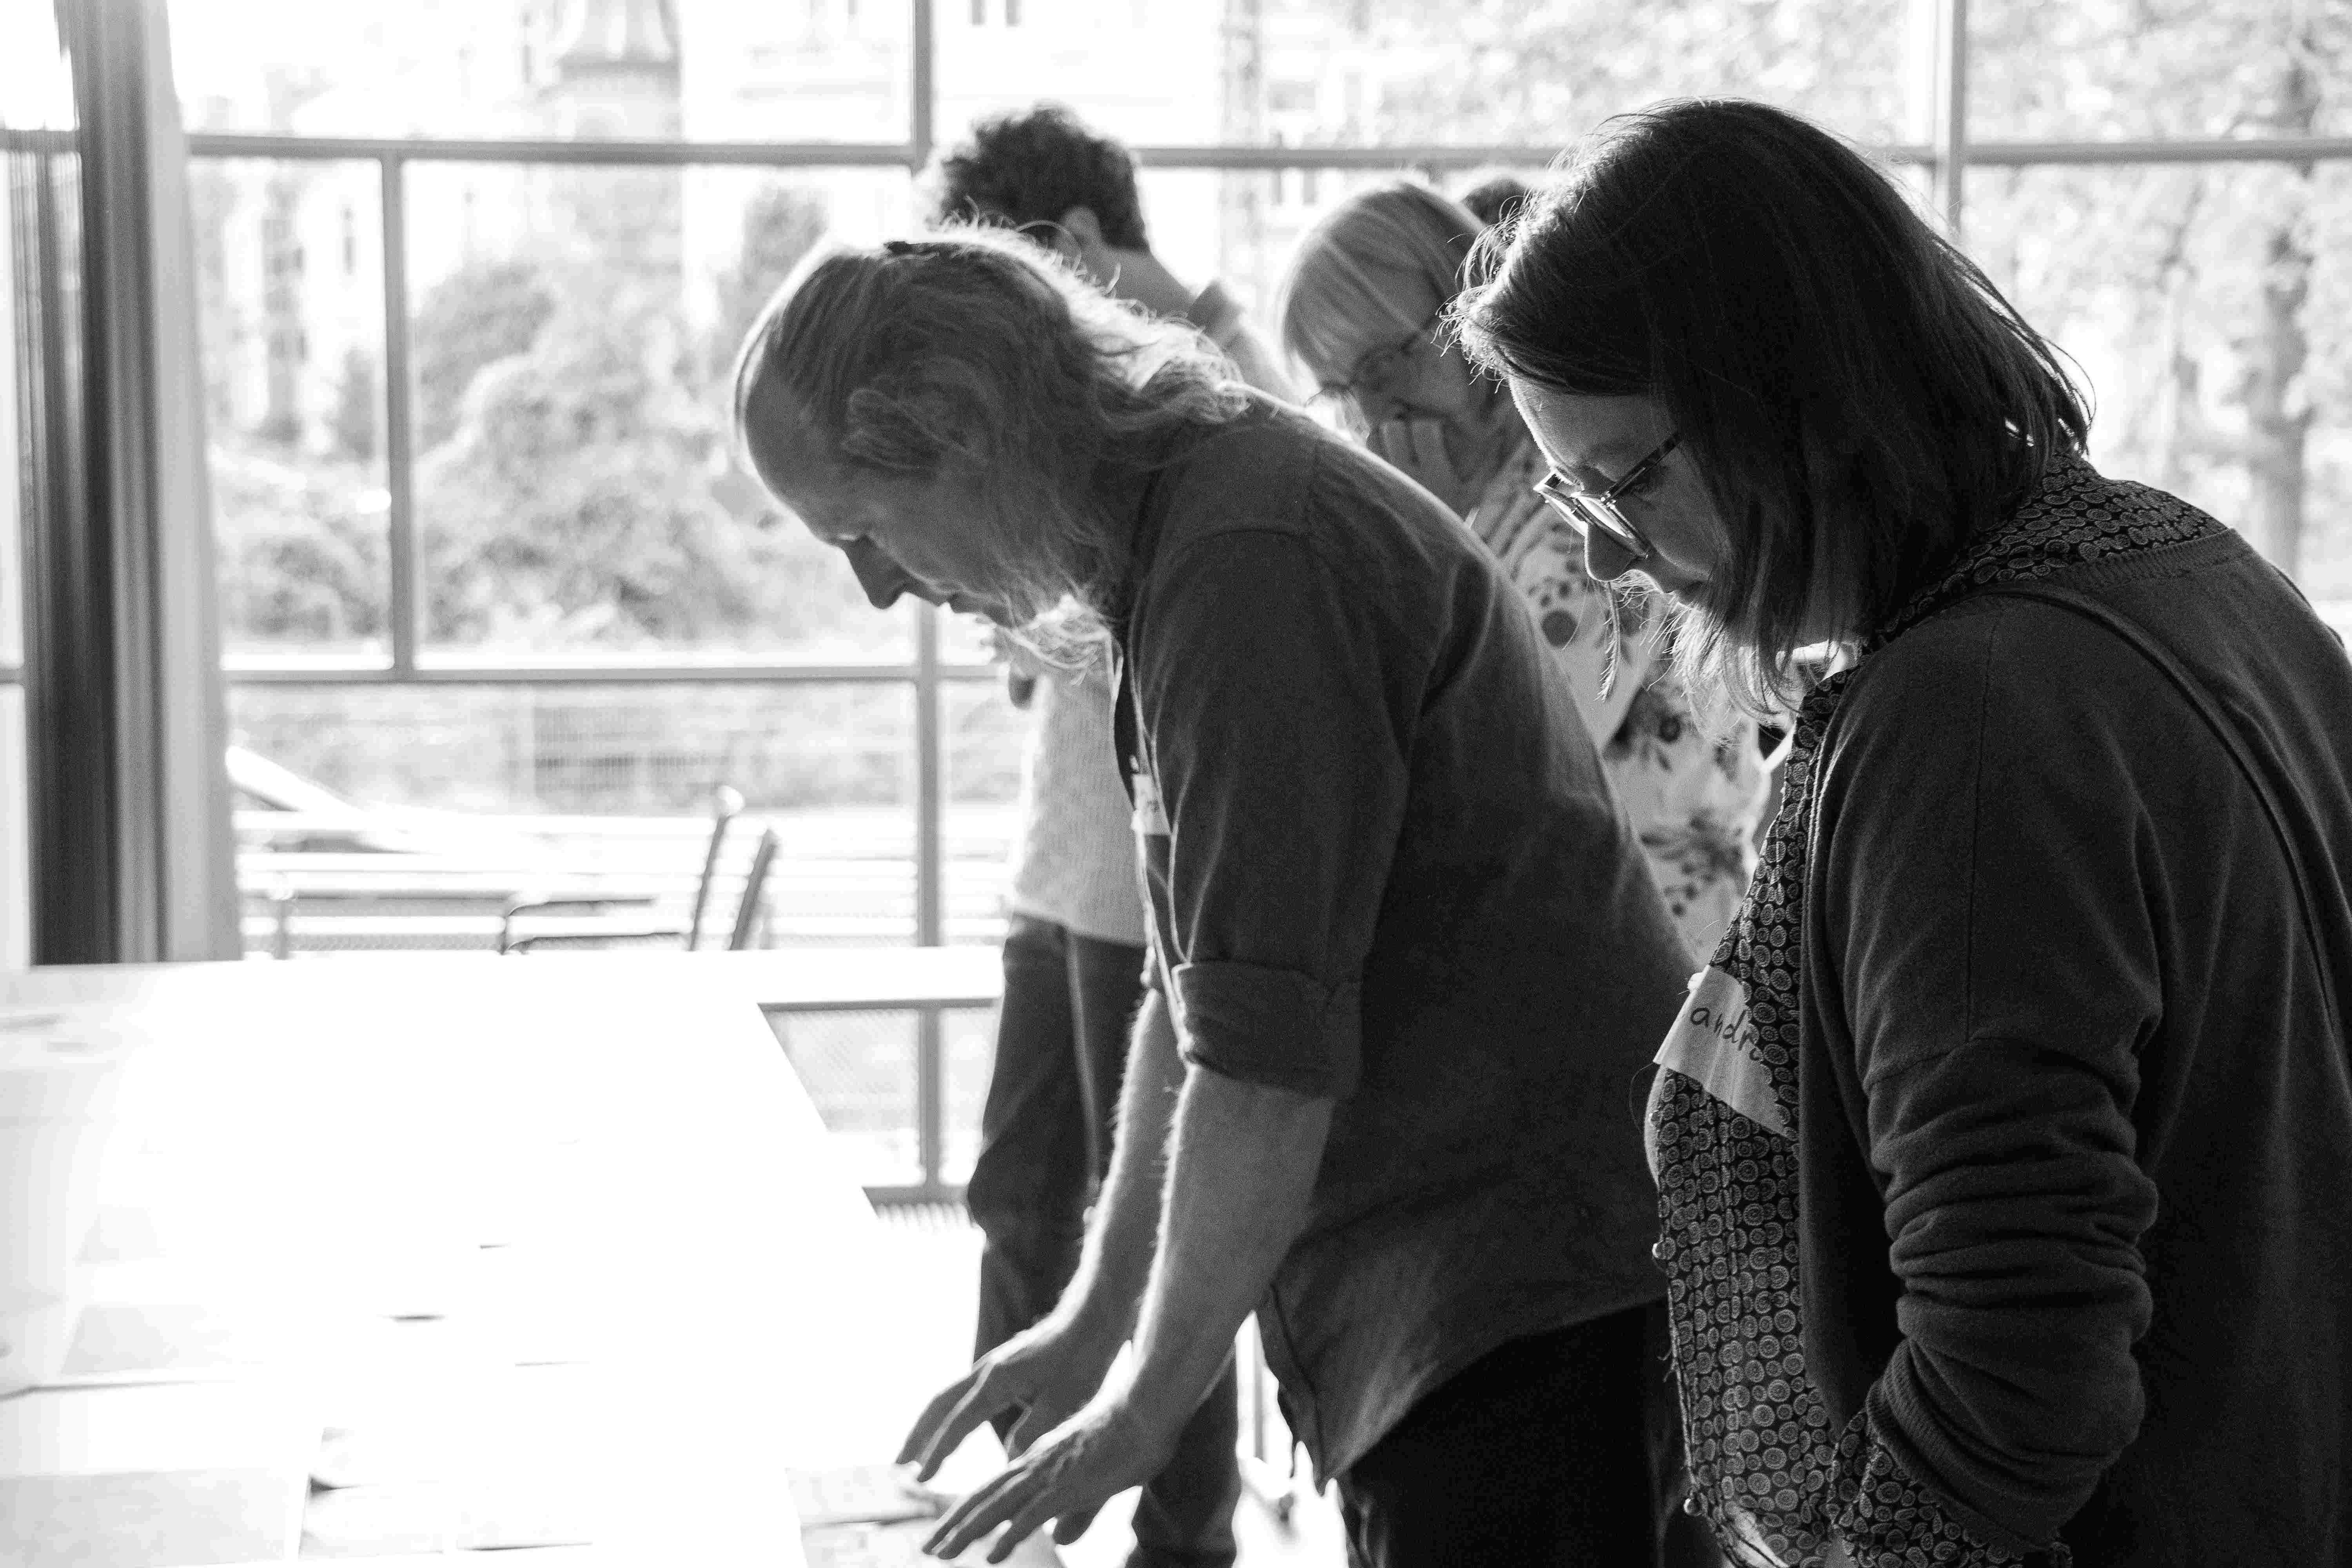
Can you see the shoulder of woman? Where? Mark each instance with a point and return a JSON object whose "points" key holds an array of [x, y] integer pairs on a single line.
{"points": [[1991, 675]]}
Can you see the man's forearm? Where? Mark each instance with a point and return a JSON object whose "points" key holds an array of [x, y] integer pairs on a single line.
{"points": [[1244, 1167], [1117, 1260]]}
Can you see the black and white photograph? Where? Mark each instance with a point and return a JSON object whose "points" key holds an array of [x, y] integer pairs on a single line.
{"points": [[1176, 784]]}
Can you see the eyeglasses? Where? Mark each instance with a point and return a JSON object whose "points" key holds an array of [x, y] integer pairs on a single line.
{"points": [[1585, 509], [1381, 364]]}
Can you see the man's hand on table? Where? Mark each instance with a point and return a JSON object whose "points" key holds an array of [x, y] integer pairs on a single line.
{"points": [[1117, 1441]]}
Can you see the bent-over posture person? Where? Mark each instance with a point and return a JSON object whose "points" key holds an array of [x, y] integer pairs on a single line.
{"points": [[1074, 952], [2005, 1151], [1406, 955]]}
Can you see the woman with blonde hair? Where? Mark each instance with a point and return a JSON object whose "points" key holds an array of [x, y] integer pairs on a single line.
{"points": [[1363, 312]]}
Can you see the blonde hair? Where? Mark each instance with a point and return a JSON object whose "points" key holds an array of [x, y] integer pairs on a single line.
{"points": [[1384, 258], [981, 351]]}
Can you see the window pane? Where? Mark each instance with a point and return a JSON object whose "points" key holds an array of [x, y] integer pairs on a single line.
{"points": [[290, 277], [806, 70], [12, 519], [573, 338], [1244, 226], [2164, 67], [966, 639], [968, 1040], [406, 816], [859, 1068], [1368, 72], [2210, 310], [983, 733], [36, 86], [16, 844]]}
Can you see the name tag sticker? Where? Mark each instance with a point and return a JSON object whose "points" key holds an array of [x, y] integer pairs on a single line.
{"points": [[1151, 818], [1713, 1045]]}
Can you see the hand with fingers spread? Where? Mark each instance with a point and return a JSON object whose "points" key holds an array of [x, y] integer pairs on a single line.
{"points": [[1047, 1372], [1113, 1443], [1420, 447]]}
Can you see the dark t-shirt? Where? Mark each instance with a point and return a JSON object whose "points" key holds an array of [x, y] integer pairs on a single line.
{"points": [[1385, 867], [2077, 1126]]}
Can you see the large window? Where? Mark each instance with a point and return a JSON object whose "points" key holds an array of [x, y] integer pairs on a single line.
{"points": [[501, 609]]}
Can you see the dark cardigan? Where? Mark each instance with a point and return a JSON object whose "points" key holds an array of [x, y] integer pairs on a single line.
{"points": [[2076, 1118]]}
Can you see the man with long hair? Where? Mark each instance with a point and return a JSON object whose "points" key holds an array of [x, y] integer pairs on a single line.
{"points": [[1406, 955], [1073, 950]]}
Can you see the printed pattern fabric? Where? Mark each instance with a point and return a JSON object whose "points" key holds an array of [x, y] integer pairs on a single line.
{"points": [[1766, 1469], [1694, 798]]}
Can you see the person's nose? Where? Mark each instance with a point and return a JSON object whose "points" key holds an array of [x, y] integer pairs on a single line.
{"points": [[876, 574], [1606, 557]]}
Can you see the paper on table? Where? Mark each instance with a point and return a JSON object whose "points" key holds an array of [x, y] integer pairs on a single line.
{"points": [[145, 1342], [540, 1473], [536, 1305], [183, 1473], [137, 1519], [525, 1457], [413, 1518], [862, 1494], [49, 1175], [36, 1327], [260, 1424], [901, 1546]]}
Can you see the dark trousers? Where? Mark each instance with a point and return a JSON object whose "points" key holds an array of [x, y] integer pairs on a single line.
{"points": [[1045, 1146], [1563, 1448]]}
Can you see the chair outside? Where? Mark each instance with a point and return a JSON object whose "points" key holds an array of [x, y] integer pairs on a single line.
{"points": [[725, 805], [752, 910]]}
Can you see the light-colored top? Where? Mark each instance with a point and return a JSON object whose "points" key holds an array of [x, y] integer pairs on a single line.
{"points": [[1073, 854], [1695, 798]]}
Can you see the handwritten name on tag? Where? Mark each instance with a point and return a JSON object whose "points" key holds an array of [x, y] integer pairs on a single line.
{"points": [[1714, 1044]]}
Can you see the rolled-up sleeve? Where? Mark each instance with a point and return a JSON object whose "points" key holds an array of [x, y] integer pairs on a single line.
{"points": [[1275, 714], [1272, 1025]]}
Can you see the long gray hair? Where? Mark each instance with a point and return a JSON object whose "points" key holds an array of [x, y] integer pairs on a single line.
{"points": [[980, 350]]}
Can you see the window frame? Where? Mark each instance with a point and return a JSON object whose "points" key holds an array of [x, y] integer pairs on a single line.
{"points": [[1945, 158]]}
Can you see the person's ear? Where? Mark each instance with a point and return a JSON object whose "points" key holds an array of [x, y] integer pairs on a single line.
{"points": [[1083, 229]]}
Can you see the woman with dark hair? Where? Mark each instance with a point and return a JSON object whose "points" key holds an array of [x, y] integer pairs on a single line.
{"points": [[2004, 1152]]}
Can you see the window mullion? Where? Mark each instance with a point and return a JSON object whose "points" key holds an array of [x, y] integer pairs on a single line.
{"points": [[923, 120], [1951, 102], [406, 607]]}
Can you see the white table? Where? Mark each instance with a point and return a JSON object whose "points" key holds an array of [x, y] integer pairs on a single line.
{"points": [[533, 1251]]}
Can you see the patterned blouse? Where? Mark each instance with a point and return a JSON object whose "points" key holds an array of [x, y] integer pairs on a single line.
{"points": [[1695, 798]]}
